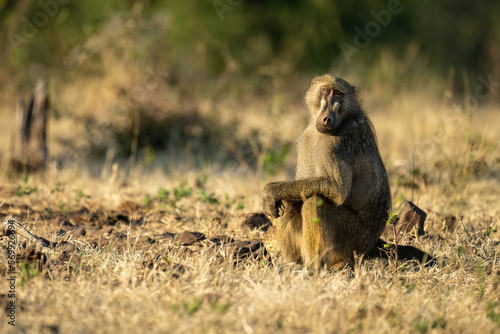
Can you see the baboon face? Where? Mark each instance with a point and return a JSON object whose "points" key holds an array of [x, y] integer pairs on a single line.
{"points": [[330, 101]]}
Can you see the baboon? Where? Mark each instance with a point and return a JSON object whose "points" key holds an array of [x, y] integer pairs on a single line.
{"points": [[338, 205]]}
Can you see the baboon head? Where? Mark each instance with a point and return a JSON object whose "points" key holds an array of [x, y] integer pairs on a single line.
{"points": [[331, 100]]}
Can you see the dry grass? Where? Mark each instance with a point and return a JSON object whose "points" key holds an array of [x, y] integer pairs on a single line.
{"points": [[442, 158]]}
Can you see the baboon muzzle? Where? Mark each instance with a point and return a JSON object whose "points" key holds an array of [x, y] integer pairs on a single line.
{"points": [[327, 120]]}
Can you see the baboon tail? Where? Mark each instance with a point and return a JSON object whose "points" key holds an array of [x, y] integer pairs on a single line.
{"points": [[386, 250]]}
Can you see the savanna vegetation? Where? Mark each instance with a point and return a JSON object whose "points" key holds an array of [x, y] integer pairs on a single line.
{"points": [[169, 117]]}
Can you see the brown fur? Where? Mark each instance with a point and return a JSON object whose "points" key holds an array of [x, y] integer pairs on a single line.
{"points": [[338, 204]]}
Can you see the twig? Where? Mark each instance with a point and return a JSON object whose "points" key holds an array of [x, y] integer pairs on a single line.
{"points": [[465, 229], [395, 244], [19, 229]]}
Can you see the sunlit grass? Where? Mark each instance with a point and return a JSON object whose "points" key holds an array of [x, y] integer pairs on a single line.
{"points": [[438, 155]]}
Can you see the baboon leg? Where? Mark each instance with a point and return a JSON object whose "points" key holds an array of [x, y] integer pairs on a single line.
{"points": [[314, 235], [318, 233], [289, 231], [328, 231]]}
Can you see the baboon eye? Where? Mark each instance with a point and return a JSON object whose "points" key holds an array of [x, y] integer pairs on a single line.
{"points": [[338, 92], [327, 90]]}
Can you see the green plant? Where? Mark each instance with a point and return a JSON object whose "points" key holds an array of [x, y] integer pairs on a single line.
{"points": [[220, 307], [163, 196], [207, 198], [489, 231], [149, 155], [192, 308], [24, 188], [421, 326], [148, 202], [439, 323], [202, 179], [79, 195], [237, 202], [181, 192], [58, 187], [28, 270], [492, 313], [275, 160]]}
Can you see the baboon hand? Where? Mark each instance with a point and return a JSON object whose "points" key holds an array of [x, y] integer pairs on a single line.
{"points": [[274, 209], [272, 206]]}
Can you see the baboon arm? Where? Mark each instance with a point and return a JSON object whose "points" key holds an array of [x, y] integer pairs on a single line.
{"points": [[299, 190]]}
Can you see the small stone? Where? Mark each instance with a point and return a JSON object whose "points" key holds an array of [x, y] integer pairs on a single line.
{"points": [[107, 231], [221, 239], [67, 225], [449, 224], [409, 216], [144, 240], [165, 235], [66, 247], [257, 220], [188, 238], [254, 248], [216, 221], [79, 232], [129, 206]]}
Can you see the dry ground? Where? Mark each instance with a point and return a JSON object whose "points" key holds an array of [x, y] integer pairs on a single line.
{"points": [[115, 279]]}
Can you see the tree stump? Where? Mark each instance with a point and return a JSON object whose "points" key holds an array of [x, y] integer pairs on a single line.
{"points": [[29, 141]]}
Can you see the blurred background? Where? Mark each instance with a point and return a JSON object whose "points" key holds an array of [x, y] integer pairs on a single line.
{"points": [[168, 84]]}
